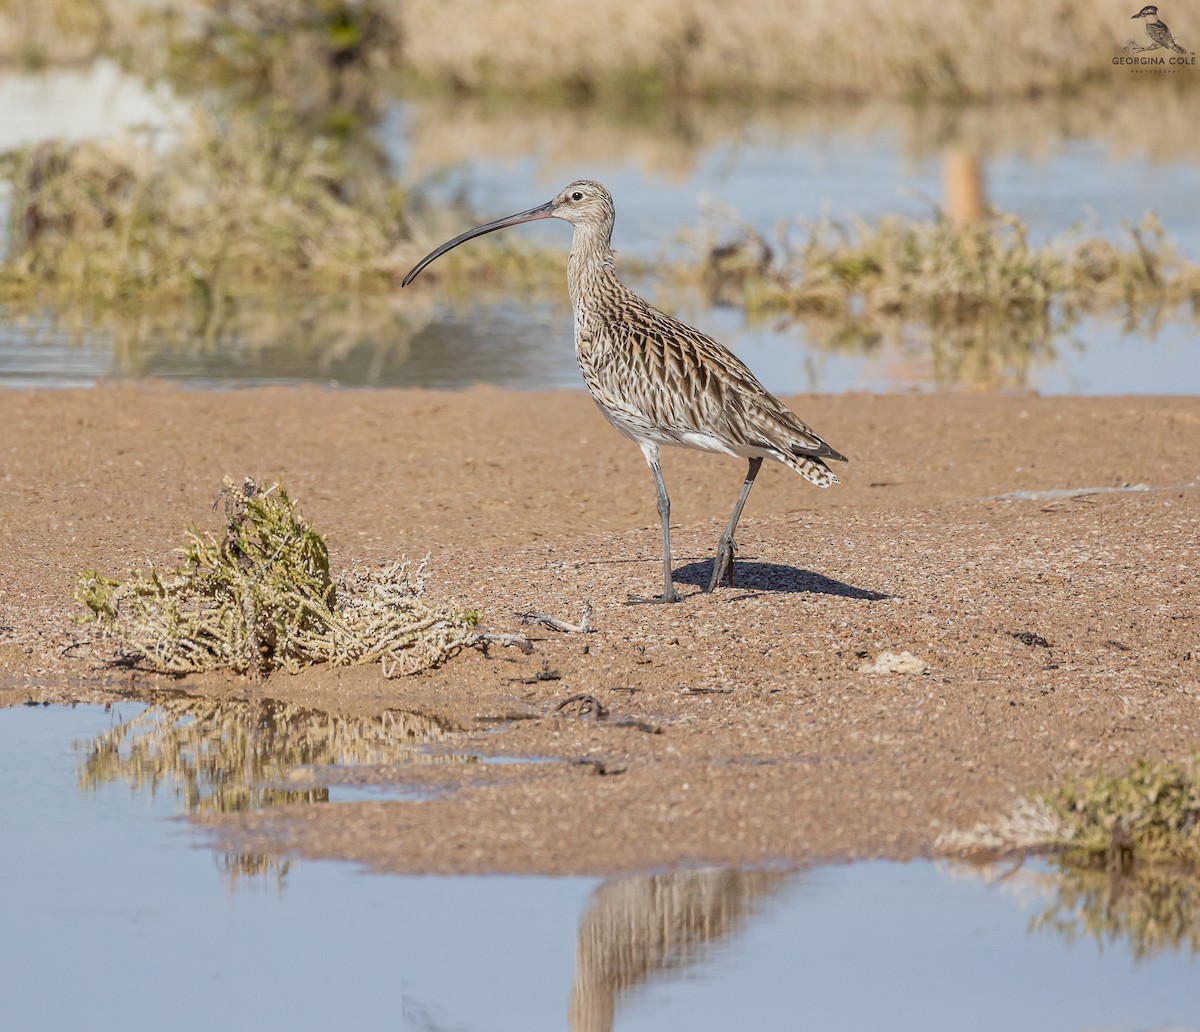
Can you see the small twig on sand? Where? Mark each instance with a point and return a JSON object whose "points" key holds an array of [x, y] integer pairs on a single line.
{"points": [[598, 766], [582, 705], [546, 620], [517, 640], [545, 674]]}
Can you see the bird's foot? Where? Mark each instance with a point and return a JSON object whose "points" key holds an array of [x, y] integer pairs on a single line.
{"points": [[723, 564], [641, 600]]}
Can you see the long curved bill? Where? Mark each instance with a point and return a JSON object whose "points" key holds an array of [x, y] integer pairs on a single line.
{"points": [[542, 211]]}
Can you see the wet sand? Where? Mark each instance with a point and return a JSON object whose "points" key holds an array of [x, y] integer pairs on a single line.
{"points": [[742, 726]]}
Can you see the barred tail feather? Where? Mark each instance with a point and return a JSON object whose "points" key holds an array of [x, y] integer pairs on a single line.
{"points": [[811, 469]]}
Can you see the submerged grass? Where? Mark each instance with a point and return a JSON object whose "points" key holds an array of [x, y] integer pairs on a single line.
{"points": [[262, 599]]}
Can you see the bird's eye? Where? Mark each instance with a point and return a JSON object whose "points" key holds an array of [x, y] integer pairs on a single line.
{"points": [[577, 195]]}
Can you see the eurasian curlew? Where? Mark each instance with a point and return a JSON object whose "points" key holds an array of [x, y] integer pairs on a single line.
{"points": [[659, 381]]}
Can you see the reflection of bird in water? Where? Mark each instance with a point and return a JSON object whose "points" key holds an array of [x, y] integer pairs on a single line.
{"points": [[639, 928], [1159, 34], [661, 382]]}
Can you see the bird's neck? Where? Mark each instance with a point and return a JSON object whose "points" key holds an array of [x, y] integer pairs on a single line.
{"points": [[590, 266]]}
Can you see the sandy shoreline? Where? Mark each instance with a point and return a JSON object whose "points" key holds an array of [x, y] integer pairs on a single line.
{"points": [[774, 744]]}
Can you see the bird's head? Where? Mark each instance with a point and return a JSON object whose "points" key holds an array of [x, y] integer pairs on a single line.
{"points": [[582, 203], [1145, 12]]}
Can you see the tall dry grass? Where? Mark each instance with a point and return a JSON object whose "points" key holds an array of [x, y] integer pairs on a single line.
{"points": [[873, 48], [34, 33], [648, 49]]}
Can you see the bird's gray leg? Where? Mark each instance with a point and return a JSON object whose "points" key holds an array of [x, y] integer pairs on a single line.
{"points": [[723, 564], [664, 516]]}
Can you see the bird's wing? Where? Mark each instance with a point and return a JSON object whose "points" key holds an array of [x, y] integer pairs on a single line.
{"points": [[688, 383]]}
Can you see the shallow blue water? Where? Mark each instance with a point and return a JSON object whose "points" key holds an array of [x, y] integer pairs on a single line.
{"points": [[116, 915], [1079, 187]]}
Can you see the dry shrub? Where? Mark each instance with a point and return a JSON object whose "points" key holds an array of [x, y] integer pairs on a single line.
{"points": [[262, 598], [1150, 813]]}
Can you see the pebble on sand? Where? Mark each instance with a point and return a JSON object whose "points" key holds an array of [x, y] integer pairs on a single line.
{"points": [[896, 663]]}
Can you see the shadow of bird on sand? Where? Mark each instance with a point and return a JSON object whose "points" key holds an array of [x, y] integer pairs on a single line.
{"points": [[776, 577]]}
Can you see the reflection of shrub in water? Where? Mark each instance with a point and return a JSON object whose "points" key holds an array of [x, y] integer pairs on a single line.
{"points": [[234, 756], [1152, 907]]}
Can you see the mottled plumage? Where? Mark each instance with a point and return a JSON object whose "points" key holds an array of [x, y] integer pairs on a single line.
{"points": [[659, 381]]}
